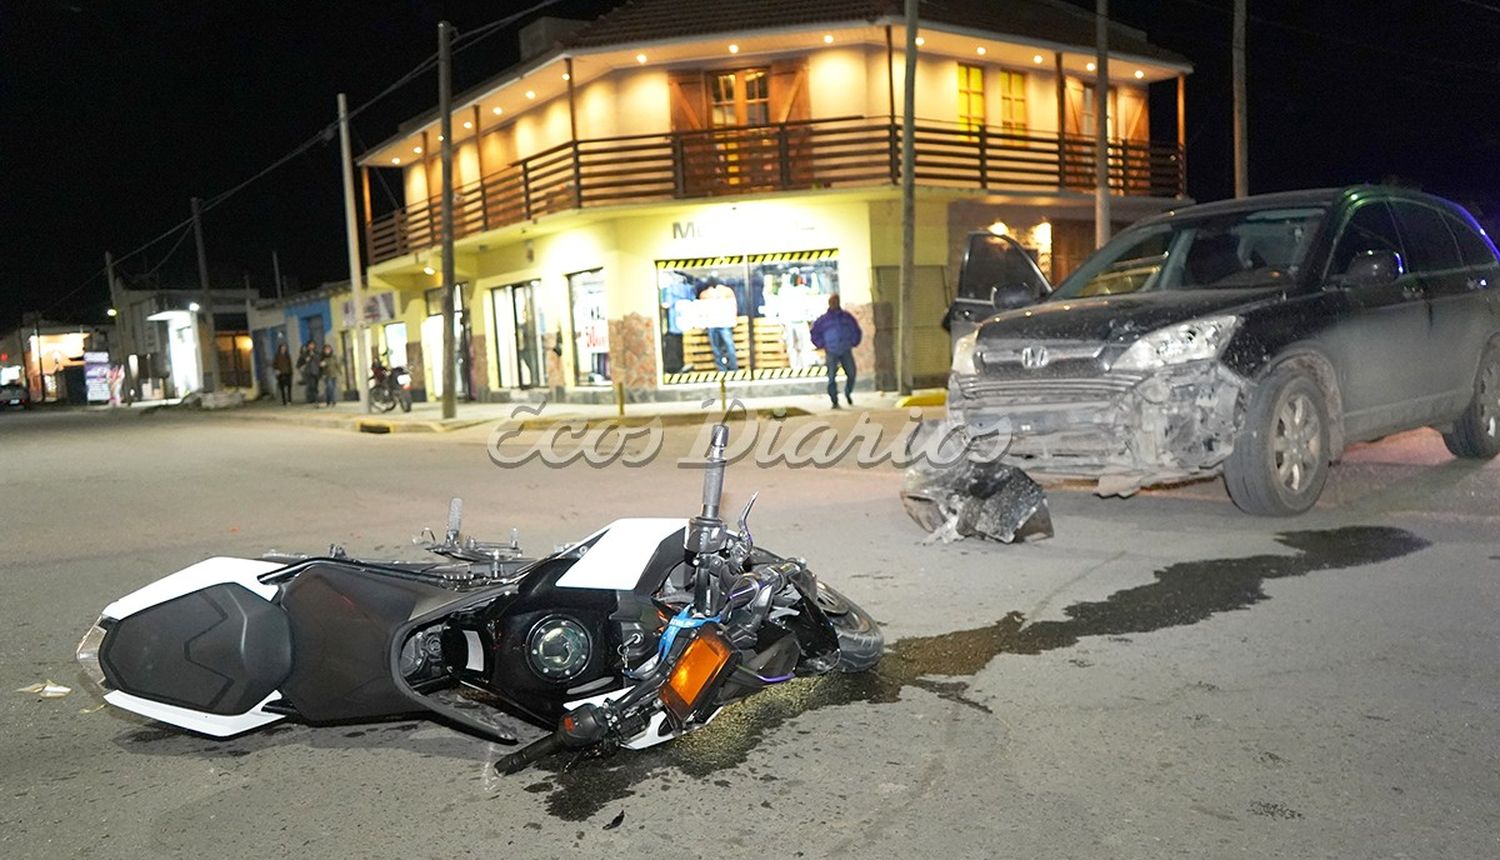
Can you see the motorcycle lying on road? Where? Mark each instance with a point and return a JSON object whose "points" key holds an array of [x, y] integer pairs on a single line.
{"points": [[389, 387], [637, 634]]}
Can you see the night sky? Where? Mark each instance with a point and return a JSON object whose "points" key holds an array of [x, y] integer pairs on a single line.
{"points": [[113, 114]]}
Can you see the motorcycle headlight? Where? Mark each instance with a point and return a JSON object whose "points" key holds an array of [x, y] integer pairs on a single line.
{"points": [[558, 648], [1194, 340], [963, 353]]}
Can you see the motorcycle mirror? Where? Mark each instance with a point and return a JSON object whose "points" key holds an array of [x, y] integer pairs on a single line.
{"points": [[455, 518], [745, 519]]}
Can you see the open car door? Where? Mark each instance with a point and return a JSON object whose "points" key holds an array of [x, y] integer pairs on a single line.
{"points": [[991, 263]]}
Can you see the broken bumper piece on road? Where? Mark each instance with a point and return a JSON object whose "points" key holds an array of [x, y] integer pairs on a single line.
{"points": [[975, 497]]}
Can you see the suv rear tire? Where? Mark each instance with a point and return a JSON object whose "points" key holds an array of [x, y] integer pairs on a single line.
{"points": [[1280, 460], [1476, 433]]}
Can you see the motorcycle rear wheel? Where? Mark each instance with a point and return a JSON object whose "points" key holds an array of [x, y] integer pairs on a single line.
{"points": [[860, 641]]}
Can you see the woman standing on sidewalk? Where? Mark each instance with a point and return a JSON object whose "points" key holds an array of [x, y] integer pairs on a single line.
{"points": [[282, 365], [329, 367]]}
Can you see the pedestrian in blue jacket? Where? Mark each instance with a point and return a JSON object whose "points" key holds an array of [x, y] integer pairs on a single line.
{"points": [[837, 333]]}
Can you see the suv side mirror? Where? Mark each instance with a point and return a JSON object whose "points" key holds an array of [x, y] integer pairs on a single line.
{"points": [[1374, 268], [1012, 297]]}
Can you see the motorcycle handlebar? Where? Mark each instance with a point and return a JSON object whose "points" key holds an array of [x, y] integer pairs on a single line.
{"points": [[530, 754]]}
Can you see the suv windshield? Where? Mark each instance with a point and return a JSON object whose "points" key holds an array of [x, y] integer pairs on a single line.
{"points": [[1240, 249]]}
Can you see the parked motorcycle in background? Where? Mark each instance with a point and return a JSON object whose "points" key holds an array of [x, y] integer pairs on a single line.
{"points": [[637, 634], [389, 387]]}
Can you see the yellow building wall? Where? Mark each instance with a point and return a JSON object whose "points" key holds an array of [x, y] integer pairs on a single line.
{"points": [[643, 102], [838, 82], [542, 128]]}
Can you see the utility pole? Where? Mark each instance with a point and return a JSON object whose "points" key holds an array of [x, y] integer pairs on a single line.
{"points": [[908, 205], [208, 348], [361, 356], [124, 326], [1241, 157], [1101, 124], [276, 272], [445, 107]]}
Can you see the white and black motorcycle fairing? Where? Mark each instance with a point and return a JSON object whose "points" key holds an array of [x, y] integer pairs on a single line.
{"points": [[485, 640]]}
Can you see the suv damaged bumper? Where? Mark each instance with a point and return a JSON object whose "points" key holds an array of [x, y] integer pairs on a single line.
{"points": [[1125, 431]]}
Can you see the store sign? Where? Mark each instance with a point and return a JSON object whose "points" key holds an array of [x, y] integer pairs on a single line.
{"points": [[378, 308], [96, 376]]}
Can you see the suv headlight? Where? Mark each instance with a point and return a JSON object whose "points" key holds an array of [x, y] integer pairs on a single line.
{"points": [[1194, 340], [963, 352]]}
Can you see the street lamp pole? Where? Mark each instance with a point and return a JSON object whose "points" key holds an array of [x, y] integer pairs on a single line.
{"points": [[208, 347], [445, 107], [908, 205], [356, 287]]}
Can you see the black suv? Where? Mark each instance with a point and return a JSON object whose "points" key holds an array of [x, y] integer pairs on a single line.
{"points": [[1253, 338]]}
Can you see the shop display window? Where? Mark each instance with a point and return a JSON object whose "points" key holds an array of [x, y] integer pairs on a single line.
{"points": [[743, 316]]}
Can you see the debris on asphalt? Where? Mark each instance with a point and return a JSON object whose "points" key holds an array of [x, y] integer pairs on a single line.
{"points": [[953, 497], [48, 689], [616, 821]]}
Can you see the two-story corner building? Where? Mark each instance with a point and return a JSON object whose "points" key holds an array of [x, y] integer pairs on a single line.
{"points": [[665, 196]]}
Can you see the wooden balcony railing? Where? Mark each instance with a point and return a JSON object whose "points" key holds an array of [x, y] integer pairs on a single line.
{"points": [[791, 156]]}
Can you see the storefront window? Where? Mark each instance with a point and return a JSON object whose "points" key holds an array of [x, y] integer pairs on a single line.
{"points": [[590, 327], [518, 352], [743, 317], [432, 342]]}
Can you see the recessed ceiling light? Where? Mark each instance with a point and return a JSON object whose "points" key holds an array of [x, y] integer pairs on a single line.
{"points": [[531, 94], [468, 124], [440, 138], [828, 38], [567, 77], [734, 49], [416, 150], [640, 58], [1139, 74], [428, 270], [1037, 58], [1091, 67], [980, 50], [396, 161], [921, 41], [497, 110]]}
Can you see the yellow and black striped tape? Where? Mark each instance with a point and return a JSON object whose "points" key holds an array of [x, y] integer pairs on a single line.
{"points": [[740, 259], [707, 376]]}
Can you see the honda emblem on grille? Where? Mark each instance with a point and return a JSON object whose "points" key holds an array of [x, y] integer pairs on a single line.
{"points": [[1034, 357]]}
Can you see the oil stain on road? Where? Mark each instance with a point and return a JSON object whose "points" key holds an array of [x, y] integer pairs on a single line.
{"points": [[1181, 594]]}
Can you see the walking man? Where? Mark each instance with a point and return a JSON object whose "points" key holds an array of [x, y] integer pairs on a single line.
{"points": [[837, 333]]}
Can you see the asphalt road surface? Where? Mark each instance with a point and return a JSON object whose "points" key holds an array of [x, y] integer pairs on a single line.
{"points": [[1165, 677]]}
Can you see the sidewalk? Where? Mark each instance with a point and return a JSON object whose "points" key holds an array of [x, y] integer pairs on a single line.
{"points": [[427, 417]]}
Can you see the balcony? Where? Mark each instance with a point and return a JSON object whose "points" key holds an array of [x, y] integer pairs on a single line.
{"points": [[795, 156]]}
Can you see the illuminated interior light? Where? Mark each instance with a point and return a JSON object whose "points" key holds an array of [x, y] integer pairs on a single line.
{"points": [[396, 160], [567, 77], [828, 38], [1037, 58], [531, 94], [980, 50], [1139, 74], [734, 49], [194, 307], [1091, 67], [999, 228], [921, 41], [497, 110], [416, 150], [640, 58], [468, 124]]}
